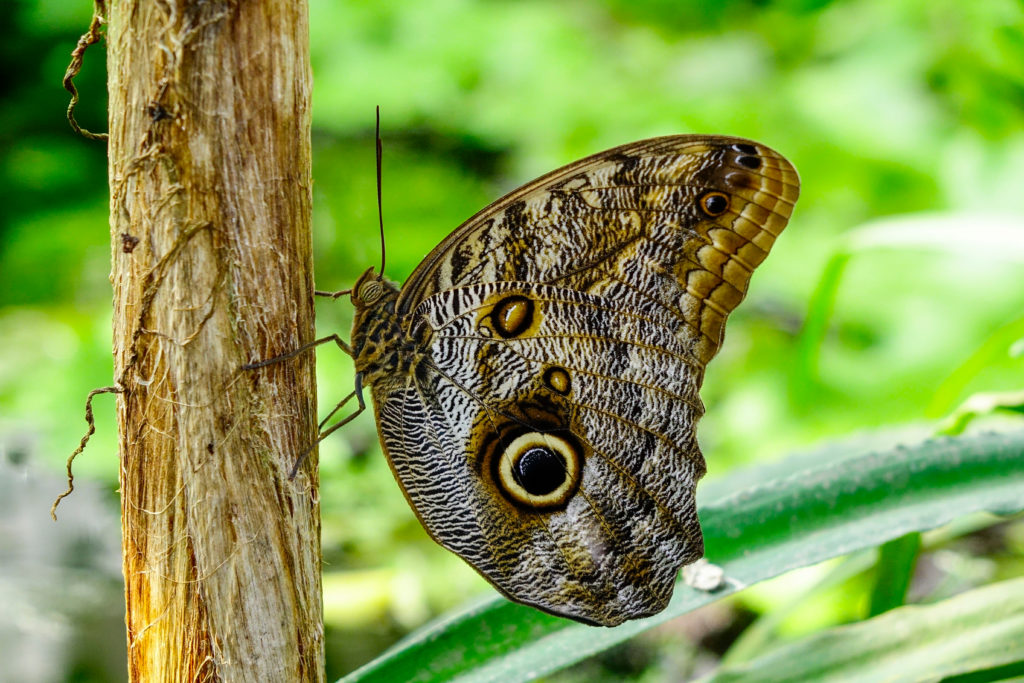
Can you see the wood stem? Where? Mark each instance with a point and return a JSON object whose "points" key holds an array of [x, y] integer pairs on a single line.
{"points": [[210, 185]]}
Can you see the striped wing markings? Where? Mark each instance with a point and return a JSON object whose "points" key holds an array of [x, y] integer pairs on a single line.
{"points": [[660, 159], [491, 256], [610, 460], [663, 184], [553, 226], [597, 409], [696, 406], [658, 267], [647, 385], [688, 360], [541, 521]]}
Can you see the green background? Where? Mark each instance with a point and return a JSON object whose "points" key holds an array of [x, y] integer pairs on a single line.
{"points": [[895, 294]]}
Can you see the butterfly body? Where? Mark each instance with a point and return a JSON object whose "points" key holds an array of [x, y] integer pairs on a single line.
{"points": [[536, 380], [380, 347]]}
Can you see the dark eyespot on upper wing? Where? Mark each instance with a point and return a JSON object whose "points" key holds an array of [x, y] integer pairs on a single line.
{"points": [[670, 226]]}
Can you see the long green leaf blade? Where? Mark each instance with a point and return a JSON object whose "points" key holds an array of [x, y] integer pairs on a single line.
{"points": [[974, 631], [755, 533]]}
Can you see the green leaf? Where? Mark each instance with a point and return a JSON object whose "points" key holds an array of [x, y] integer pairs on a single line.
{"points": [[760, 636], [993, 236], [982, 404], [996, 237], [999, 344], [804, 375], [754, 533], [896, 560], [974, 631]]}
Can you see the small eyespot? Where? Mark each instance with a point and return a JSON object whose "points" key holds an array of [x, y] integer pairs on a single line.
{"points": [[512, 316], [370, 291], [745, 148], [557, 379], [714, 203], [749, 162]]}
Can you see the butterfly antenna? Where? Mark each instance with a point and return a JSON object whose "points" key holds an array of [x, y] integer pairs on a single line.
{"points": [[380, 211]]}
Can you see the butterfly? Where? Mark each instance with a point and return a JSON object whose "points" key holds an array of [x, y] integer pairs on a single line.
{"points": [[535, 381]]}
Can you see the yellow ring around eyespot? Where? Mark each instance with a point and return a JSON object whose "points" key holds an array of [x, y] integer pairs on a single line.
{"points": [[520, 445], [721, 196]]}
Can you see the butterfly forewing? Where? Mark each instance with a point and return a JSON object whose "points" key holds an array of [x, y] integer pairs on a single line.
{"points": [[566, 226], [545, 429]]}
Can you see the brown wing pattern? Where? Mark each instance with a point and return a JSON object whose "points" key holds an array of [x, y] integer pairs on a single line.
{"points": [[544, 426], [627, 404], [583, 227]]}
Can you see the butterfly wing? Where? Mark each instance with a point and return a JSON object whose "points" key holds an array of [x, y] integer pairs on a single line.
{"points": [[645, 200], [546, 431]]}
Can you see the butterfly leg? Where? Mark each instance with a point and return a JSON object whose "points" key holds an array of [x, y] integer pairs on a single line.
{"points": [[299, 351], [332, 295], [338, 407], [324, 434]]}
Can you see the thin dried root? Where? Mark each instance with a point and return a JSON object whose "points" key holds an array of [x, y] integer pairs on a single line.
{"points": [[81, 446], [91, 37]]}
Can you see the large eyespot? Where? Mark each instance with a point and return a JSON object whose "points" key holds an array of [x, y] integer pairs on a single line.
{"points": [[714, 203], [538, 471], [512, 316], [370, 291]]}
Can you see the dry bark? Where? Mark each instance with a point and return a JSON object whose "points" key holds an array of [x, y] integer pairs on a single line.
{"points": [[210, 224]]}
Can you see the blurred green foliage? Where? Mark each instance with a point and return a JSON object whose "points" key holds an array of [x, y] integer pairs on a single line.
{"points": [[907, 111]]}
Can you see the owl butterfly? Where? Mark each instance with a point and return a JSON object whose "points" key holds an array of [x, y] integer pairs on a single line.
{"points": [[536, 380]]}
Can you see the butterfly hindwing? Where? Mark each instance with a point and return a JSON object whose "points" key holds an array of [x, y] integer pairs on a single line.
{"points": [[611, 391]]}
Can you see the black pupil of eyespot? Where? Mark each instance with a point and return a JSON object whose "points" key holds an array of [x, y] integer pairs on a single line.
{"points": [[715, 203], [539, 471]]}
